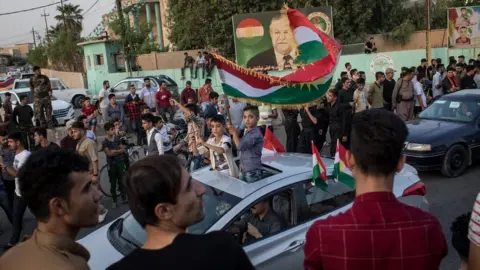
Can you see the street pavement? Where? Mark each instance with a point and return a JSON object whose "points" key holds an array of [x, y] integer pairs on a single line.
{"points": [[448, 199]]}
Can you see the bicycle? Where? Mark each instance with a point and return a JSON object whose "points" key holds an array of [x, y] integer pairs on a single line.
{"points": [[133, 152]]}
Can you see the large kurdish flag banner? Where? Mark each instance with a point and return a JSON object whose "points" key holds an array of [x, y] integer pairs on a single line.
{"points": [[340, 169], [317, 59]]}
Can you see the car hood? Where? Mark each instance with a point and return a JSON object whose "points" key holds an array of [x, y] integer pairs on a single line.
{"points": [[424, 130]]}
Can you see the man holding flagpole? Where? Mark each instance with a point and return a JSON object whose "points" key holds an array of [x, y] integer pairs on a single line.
{"points": [[378, 231]]}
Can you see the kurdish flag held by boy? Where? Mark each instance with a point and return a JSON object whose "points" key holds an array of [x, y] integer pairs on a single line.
{"points": [[319, 173], [271, 144], [340, 168]]}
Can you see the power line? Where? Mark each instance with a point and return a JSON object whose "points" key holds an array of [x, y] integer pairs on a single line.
{"points": [[90, 7], [30, 9]]}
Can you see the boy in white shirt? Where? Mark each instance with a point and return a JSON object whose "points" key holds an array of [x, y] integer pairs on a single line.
{"points": [[167, 139], [220, 146]]}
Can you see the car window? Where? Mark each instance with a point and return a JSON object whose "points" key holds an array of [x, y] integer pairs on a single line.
{"points": [[452, 110], [278, 215], [56, 85], [122, 86], [314, 202], [138, 84], [22, 84], [216, 203]]}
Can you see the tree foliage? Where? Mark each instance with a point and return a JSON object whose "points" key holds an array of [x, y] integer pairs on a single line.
{"points": [[208, 23], [70, 18], [38, 56]]}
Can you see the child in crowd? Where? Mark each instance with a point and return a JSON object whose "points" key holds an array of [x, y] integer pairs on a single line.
{"points": [[145, 109], [166, 138], [119, 129], [250, 146], [460, 242], [90, 112], [220, 147]]}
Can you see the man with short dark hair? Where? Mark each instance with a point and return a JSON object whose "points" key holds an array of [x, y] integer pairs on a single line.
{"points": [[88, 148], [335, 119], [188, 93], [200, 63], [42, 103], [187, 63], [370, 46], [19, 206], [114, 110], [204, 93], [166, 200], [57, 188], [154, 138], [162, 102], [103, 99], [339, 85], [132, 107], [115, 151], [388, 86], [41, 140], [147, 94], [348, 67], [22, 115], [68, 142], [402, 97], [468, 81], [460, 241], [375, 92], [378, 231], [450, 83]]}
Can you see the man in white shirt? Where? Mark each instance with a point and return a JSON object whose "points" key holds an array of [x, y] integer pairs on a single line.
{"points": [[437, 88], [19, 205], [154, 139], [103, 99], [199, 63], [420, 98], [236, 113], [148, 94], [166, 138]]}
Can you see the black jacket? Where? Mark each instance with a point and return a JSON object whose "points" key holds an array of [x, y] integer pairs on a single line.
{"points": [[22, 116], [467, 82]]}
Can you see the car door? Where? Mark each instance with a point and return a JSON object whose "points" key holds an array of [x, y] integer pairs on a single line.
{"points": [[475, 140], [284, 250], [59, 91], [121, 89]]}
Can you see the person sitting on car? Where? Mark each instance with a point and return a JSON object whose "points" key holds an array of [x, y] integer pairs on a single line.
{"points": [[260, 222]]}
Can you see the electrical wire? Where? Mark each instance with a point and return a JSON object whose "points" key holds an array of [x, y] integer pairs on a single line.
{"points": [[90, 7], [30, 9]]}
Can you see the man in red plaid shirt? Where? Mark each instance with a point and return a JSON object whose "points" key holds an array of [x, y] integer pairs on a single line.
{"points": [[132, 107], [378, 231]]}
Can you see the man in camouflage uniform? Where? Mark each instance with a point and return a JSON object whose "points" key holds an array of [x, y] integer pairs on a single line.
{"points": [[42, 103]]}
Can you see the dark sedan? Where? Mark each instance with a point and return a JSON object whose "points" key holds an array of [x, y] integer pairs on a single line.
{"points": [[446, 136]]}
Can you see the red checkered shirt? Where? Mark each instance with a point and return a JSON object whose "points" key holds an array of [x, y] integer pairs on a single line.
{"points": [[88, 111], [133, 110], [377, 232]]}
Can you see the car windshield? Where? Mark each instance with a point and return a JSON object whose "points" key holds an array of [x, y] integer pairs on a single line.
{"points": [[216, 203], [22, 84], [452, 110]]}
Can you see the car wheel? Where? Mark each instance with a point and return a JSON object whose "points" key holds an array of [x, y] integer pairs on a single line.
{"points": [[455, 162], [78, 101]]}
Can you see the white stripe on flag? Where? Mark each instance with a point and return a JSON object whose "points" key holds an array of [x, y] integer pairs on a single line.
{"points": [[304, 34], [247, 89]]}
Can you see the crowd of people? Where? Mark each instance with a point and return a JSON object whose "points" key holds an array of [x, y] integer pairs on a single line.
{"points": [[59, 184]]}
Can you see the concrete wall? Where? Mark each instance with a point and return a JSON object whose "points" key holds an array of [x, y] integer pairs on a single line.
{"points": [[71, 79], [167, 60], [438, 39]]}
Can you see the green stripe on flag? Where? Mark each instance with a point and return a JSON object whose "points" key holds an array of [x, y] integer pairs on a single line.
{"points": [[285, 95], [317, 178], [310, 52]]}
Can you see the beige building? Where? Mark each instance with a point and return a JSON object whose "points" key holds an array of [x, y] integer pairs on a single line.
{"points": [[17, 50], [151, 11]]}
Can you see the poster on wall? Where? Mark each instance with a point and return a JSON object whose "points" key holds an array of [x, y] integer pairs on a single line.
{"points": [[265, 41], [464, 27]]}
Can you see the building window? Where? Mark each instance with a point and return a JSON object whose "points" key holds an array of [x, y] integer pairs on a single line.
{"points": [[99, 61]]}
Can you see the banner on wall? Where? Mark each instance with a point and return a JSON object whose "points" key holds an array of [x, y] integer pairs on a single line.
{"points": [[265, 41], [464, 27]]}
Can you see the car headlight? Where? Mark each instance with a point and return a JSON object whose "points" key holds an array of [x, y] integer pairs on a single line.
{"points": [[418, 147]]}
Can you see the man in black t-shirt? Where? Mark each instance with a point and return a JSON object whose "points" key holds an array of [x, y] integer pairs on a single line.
{"points": [[388, 85], [41, 141], [165, 200]]}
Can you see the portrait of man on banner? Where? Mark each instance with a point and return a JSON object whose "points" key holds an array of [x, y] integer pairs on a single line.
{"points": [[284, 50]]}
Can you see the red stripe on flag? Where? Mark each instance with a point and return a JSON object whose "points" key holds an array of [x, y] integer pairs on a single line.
{"points": [[252, 78], [249, 22], [272, 141], [320, 162]]}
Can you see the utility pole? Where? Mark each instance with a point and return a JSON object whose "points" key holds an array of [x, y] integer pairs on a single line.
{"points": [[45, 15], [34, 40], [429, 45]]}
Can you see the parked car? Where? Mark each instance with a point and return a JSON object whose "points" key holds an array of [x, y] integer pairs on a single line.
{"points": [[7, 82], [226, 199], [62, 111], [446, 136], [75, 96]]}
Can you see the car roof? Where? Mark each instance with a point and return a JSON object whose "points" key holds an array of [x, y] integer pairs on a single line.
{"points": [[288, 165], [464, 94], [28, 79]]}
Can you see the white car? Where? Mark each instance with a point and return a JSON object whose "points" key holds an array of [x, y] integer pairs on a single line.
{"points": [[75, 96], [227, 199], [62, 111]]}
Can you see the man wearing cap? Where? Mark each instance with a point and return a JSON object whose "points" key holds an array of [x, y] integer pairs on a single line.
{"points": [[388, 85]]}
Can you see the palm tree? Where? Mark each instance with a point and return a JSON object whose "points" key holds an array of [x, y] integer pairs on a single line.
{"points": [[70, 17], [53, 31]]}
